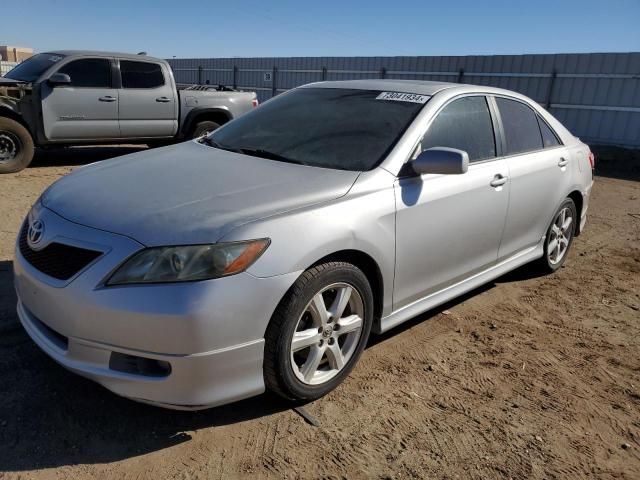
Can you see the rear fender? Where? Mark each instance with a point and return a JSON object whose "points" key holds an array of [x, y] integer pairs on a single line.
{"points": [[196, 114]]}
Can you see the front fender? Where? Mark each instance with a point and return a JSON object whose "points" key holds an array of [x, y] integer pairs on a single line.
{"points": [[362, 220]]}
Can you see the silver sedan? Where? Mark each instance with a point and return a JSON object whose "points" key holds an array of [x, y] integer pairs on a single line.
{"points": [[263, 255]]}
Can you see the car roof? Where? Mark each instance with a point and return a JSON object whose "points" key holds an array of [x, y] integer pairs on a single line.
{"points": [[422, 87], [94, 53]]}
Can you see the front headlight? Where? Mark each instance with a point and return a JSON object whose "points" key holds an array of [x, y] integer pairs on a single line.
{"points": [[188, 263]]}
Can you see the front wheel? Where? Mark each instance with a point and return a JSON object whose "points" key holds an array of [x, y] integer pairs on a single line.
{"points": [[318, 331], [16, 146], [559, 237]]}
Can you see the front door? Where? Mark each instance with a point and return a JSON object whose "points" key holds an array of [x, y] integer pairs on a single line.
{"points": [[449, 227], [86, 109]]}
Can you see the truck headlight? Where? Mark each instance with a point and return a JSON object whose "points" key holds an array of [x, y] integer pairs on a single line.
{"points": [[188, 263]]}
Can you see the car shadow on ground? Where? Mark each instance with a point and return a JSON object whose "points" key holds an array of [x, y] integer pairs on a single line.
{"points": [[82, 155], [50, 417]]}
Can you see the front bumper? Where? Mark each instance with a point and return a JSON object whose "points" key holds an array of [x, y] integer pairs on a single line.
{"points": [[211, 333]]}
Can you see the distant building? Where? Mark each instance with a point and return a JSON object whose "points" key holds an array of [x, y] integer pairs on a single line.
{"points": [[14, 54]]}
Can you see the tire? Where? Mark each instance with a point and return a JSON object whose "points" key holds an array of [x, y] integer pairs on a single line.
{"points": [[284, 363], [203, 128], [553, 259], [16, 146]]}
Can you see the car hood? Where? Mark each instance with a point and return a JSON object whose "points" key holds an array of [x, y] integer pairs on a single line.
{"points": [[188, 193]]}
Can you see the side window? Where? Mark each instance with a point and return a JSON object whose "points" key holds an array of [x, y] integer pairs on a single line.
{"points": [[89, 72], [464, 124], [520, 126], [549, 138], [141, 74]]}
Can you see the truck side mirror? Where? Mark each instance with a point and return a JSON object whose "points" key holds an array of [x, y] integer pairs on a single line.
{"points": [[59, 79]]}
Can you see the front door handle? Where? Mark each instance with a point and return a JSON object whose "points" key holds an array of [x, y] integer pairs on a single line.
{"points": [[107, 98], [498, 180], [163, 99], [563, 162]]}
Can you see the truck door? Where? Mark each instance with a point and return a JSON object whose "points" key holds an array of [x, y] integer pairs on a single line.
{"points": [[148, 103], [85, 109]]}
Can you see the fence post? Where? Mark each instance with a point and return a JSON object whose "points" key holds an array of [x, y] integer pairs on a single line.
{"points": [[460, 75], [199, 74], [324, 73], [383, 72], [235, 76], [552, 81], [274, 86]]}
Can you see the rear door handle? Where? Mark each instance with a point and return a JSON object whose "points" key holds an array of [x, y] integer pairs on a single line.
{"points": [[107, 98], [163, 99], [563, 162], [498, 180]]}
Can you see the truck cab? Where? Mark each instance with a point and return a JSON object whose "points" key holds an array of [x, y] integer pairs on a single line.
{"points": [[82, 97]]}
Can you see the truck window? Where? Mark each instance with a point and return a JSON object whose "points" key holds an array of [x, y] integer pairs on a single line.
{"points": [[141, 74], [89, 72]]}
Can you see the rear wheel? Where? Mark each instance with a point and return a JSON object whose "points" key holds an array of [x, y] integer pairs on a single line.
{"points": [[318, 331], [204, 128], [16, 146], [559, 237]]}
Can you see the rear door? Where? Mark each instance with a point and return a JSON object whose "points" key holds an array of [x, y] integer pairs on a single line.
{"points": [[449, 227], [539, 174], [148, 104], [87, 108]]}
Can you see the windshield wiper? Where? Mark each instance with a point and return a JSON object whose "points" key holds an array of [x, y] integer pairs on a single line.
{"points": [[212, 143], [259, 152]]}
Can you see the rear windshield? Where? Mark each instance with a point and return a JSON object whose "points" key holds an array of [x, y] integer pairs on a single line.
{"points": [[324, 127], [31, 69]]}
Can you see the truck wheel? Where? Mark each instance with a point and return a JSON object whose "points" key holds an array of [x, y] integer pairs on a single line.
{"points": [[16, 146], [204, 128]]}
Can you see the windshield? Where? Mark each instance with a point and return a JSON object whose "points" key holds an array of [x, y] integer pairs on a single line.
{"points": [[31, 69], [324, 127]]}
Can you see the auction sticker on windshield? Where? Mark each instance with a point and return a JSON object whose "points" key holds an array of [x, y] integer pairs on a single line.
{"points": [[403, 97]]}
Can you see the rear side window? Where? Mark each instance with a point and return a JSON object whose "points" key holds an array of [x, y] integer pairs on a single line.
{"points": [[464, 124], [520, 126], [141, 74], [549, 138], [89, 72]]}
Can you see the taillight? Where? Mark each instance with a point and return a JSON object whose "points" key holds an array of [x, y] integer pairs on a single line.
{"points": [[592, 160], [254, 102]]}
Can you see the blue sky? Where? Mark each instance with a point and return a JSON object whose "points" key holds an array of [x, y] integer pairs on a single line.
{"points": [[325, 28]]}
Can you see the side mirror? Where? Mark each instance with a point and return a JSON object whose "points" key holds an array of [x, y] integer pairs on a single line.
{"points": [[449, 161], [59, 79]]}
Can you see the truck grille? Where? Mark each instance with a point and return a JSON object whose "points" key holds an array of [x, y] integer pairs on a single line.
{"points": [[57, 259]]}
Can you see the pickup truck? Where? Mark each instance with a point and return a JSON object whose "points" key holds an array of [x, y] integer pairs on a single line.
{"points": [[72, 97]]}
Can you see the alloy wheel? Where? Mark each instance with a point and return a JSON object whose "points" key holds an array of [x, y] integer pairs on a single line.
{"points": [[560, 236], [327, 333]]}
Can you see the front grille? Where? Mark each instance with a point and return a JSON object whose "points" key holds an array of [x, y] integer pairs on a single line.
{"points": [[56, 259]]}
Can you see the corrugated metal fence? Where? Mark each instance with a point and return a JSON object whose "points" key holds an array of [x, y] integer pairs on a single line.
{"points": [[6, 66], [596, 95]]}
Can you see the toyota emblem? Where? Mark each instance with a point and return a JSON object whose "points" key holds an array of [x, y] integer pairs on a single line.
{"points": [[35, 233]]}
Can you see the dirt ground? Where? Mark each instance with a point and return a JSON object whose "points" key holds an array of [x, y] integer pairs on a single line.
{"points": [[528, 377]]}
